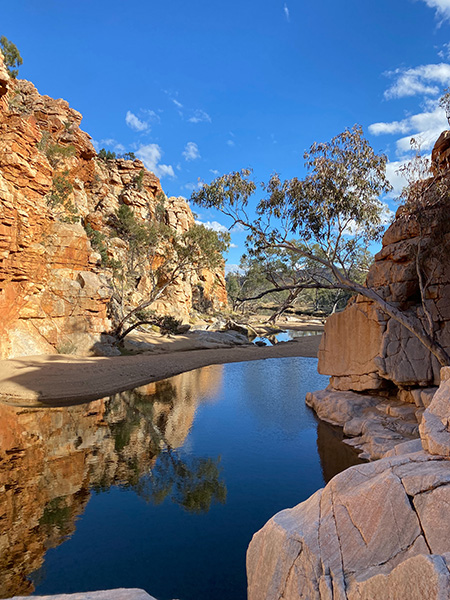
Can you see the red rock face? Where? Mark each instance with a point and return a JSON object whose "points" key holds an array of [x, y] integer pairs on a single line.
{"points": [[45, 261]]}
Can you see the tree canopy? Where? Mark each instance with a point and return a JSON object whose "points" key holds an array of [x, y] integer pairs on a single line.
{"points": [[327, 219], [11, 56]]}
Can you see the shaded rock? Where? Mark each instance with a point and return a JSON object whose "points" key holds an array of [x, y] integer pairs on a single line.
{"points": [[434, 426], [374, 424], [372, 532], [117, 594]]}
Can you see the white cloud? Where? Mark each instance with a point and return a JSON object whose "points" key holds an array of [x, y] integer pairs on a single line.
{"points": [[191, 187], [396, 179], [424, 79], [191, 151], [177, 104], [230, 268], [286, 12], [135, 123], [151, 155], [230, 143], [151, 114], [214, 225], [442, 7], [425, 127], [234, 246], [200, 116], [112, 143], [215, 172]]}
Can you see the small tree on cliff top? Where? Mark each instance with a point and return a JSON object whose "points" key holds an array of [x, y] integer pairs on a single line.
{"points": [[327, 218], [11, 56]]}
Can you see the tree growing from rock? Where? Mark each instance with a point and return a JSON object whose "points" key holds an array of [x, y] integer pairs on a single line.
{"points": [[162, 256], [11, 56], [326, 219]]}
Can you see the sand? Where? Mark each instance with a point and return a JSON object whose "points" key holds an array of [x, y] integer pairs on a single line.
{"points": [[61, 380]]}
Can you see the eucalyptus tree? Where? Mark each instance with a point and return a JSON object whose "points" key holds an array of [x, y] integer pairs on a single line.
{"points": [[161, 255], [327, 218]]}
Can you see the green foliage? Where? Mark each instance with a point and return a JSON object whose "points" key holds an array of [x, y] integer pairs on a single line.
{"points": [[163, 256], [138, 180], [59, 198], [98, 243], [129, 156], [311, 230], [11, 56], [54, 152], [168, 324], [106, 154]]}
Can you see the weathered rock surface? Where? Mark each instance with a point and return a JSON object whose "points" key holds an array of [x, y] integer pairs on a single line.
{"points": [[118, 594], [377, 530], [362, 347], [374, 425], [53, 291]]}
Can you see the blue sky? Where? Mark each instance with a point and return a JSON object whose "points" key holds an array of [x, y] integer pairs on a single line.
{"points": [[198, 88]]}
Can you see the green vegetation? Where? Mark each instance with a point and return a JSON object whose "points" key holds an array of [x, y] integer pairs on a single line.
{"points": [[162, 256], [109, 155], [54, 152], [98, 243], [138, 180], [11, 56], [106, 155], [327, 220], [59, 198]]}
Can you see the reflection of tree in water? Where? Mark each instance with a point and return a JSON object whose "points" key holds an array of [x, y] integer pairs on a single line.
{"points": [[192, 482], [189, 481], [52, 459]]}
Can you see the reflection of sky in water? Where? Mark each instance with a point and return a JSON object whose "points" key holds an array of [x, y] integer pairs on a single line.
{"points": [[286, 336], [252, 433]]}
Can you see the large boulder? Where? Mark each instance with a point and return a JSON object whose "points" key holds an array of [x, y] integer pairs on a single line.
{"points": [[378, 530]]}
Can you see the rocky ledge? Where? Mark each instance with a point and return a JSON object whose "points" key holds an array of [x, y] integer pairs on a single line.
{"points": [[378, 530], [373, 424]]}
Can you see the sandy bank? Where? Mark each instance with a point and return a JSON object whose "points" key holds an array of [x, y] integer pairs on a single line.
{"points": [[58, 380]]}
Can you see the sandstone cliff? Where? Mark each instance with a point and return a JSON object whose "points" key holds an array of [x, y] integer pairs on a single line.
{"points": [[362, 347], [54, 287]]}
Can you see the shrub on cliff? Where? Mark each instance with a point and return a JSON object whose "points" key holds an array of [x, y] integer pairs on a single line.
{"points": [[11, 56]]}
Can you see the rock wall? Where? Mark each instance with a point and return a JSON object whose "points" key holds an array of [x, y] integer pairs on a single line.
{"points": [[54, 290], [363, 348]]}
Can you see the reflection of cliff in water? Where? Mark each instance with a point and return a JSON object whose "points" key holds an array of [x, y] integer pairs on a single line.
{"points": [[335, 456], [50, 459]]}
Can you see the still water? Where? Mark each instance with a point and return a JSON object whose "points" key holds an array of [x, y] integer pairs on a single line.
{"points": [[161, 487]]}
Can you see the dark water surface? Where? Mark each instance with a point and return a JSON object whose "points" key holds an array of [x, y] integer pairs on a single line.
{"points": [[162, 487]]}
